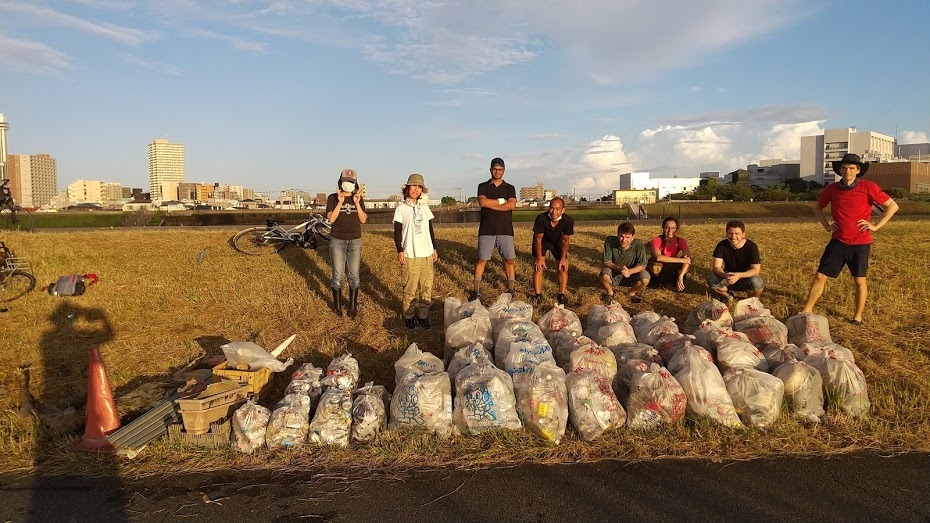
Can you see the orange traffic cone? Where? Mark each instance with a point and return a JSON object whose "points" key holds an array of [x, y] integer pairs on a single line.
{"points": [[102, 419]]}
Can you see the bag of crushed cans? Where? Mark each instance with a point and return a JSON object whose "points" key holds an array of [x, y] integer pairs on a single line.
{"points": [[332, 422], [369, 417], [249, 423], [342, 373]]}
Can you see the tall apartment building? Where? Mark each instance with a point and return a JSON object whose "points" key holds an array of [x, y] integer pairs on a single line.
{"points": [[818, 152], [4, 127], [33, 179], [537, 192], [166, 168], [95, 191]]}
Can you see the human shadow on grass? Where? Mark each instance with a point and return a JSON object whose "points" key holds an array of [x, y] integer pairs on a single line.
{"points": [[64, 348], [310, 264]]}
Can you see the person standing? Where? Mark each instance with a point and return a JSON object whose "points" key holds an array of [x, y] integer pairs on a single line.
{"points": [[624, 264], [737, 265], [416, 252], [552, 232], [497, 200], [670, 258], [850, 200], [345, 209]]}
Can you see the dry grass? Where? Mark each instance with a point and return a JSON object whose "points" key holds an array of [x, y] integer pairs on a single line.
{"points": [[155, 309]]}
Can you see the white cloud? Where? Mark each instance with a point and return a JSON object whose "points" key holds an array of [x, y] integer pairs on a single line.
{"points": [[242, 44], [166, 69], [32, 57], [907, 137], [123, 35], [784, 140]]}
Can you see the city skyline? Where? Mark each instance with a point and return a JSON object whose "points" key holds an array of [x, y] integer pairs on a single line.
{"points": [[280, 94]]}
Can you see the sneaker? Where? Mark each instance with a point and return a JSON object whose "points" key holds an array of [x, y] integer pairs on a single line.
{"points": [[537, 300], [410, 323], [473, 295], [424, 323], [607, 298], [560, 299], [636, 298]]}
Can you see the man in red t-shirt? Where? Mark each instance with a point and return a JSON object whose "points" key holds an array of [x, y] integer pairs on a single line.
{"points": [[850, 201]]}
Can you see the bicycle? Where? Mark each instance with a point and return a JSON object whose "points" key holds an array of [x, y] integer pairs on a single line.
{"points": [[16, 278], [273, 237], [12, 216]]}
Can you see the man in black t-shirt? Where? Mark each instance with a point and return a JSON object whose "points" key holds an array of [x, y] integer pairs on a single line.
{"points": [[737, 265], [497, 199], [552, 232]]}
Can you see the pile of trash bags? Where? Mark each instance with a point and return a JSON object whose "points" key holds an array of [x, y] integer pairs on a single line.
{"points": [[500, 370]]}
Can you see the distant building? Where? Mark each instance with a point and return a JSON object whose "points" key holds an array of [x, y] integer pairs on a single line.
{"points": [[771, 172], [635, 196], [321, 198], [297, 198], [33, 179], [709, 174], [537, 192], [915, 152], [910, 176], [738, 176], [166, 166], [664, 185], [818, 152]]}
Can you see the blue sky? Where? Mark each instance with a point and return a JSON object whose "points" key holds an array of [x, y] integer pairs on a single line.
{"points": [[281, 94]]}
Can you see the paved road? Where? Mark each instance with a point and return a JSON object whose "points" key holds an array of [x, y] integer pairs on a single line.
{"points": [[861, 487]]}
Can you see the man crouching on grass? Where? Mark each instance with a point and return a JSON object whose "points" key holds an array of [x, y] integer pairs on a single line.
{"points": [[624, 264], [737, 265], [850, 201]]}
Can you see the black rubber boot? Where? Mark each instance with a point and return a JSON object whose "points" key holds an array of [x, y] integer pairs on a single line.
{"points": [[337, 302], [353, 303]]}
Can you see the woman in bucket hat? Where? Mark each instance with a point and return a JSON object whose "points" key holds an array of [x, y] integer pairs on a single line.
{"points": [[850, 200], [345, 209], [416, 252]]}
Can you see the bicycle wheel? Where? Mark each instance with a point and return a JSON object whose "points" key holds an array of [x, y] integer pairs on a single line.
{"points": [[257, 241], [16, 219], [16, 285], [322, 231]]}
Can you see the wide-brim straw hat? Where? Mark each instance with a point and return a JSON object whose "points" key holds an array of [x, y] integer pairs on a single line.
{"points": [[415, 179]]}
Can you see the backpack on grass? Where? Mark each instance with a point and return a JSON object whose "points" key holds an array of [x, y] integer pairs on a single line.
{"points": [[72, 284]]}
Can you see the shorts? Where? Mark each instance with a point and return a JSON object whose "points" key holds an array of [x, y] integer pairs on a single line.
{"points": [[548, 247], [754, 283], [618, 280], [504, 244], [837, 254]]}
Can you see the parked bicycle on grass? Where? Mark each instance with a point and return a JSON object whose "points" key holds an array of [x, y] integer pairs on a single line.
{"points": [[12, 216], [16, 279], [273, 236]]}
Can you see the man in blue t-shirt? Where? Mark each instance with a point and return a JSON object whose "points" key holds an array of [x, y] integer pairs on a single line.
{"points": [[552, 232], [497, 200]]}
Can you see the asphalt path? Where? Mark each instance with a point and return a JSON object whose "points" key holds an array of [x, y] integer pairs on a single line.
{"points": [[856, 487]]}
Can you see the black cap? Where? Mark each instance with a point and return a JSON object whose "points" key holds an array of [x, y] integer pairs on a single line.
{"points": [[497, 161]]}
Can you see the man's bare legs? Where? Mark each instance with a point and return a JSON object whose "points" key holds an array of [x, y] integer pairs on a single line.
{"points": [[862, 292], [563, 279], [820, 280]]}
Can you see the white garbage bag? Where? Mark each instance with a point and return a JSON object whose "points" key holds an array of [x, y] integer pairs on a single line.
{"points": [[306, 380], [508, 345], [526, 356], [614, 334], [416, 361], [662, 327], [468, 331], [601, 315], [711, 310], [559, 319], [843, 382], [506, 308], [762, 330], [248, 353], [756, 395], [643, 320], [680, 359], [808, 328], [652, 397], [484, 400], [332, 422], [635, 351], [289, 422], [542, 402], [593, 407], [369, 416], [803, 389], [777, 354], [598, 359], [749, 308], [837, 350], [564, 343], [708, 335], [423, 402], [249, 423], [466, 356], [736, 353], [451, 311], [342, 373], [670, 344], [706, 391]]}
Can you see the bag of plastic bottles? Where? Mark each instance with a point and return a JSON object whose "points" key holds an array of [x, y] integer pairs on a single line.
{"points": [[711, 310], [614, 334], [598, 359], [709, 335], [466, 356], [249, 423], [369, 417], [776, 354], [506, 308], [671, 344], [542, 402], [749, 308], [415, 360], [662, 327], [593, 407], [707, 393], [525, 357], [484, 400], [735, 353], [455, 309], [803, 389], [757, 396], [423, 402], [843, 382], [468, 331], [510, 340], [564, 343], [680, 359], [559, 319], [763, 330], [652, 397], [635, 351], [306, 380], [807, 328], [332, 422], [601, 315]]}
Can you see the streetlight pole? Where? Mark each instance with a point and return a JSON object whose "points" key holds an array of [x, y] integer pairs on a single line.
{"points": [[460, 194]]}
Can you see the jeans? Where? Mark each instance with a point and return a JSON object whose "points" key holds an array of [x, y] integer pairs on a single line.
{"points": [[345, 254]]}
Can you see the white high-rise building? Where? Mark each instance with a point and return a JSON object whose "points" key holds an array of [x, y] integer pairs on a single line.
{"points": [[4, 126], [818, 152], [166, 168]]}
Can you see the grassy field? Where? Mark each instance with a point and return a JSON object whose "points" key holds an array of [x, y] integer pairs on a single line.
{"points": [[155, 309]]}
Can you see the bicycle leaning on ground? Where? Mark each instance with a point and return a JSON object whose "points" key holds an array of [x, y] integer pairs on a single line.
{"points": [[12, 216], [273, 237], [16, 279]]}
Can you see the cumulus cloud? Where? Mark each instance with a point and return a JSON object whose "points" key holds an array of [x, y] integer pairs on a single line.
{"points": [[32, 57], [907, 137], [784, 140]]}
